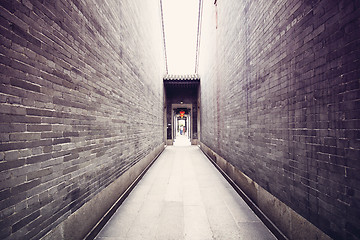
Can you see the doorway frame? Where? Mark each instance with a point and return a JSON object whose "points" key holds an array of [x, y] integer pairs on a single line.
{"points": [[173, 107]]}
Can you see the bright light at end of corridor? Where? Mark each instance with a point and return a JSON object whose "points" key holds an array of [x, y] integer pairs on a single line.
{"points": [[180, 27]]}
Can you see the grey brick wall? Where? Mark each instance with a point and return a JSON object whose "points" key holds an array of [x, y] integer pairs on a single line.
{"points": [[81, 102], [280, 101]]}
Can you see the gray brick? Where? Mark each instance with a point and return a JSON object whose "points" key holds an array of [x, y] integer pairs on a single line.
{"points": [[12, 155], [39, 174], [23, 222], [25, 186], [39, 112], [12, 110], [12, 164], [8, 127], [38, 158], [24, 136], [38, 128]]}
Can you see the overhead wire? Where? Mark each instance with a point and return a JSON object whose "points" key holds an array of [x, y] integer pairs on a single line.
{"points": [[198, 35], [163, 33]]}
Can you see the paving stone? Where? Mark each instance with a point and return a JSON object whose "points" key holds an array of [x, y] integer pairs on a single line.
{"points": [[172, 201]]}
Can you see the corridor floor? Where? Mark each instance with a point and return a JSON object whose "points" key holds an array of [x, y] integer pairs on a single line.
{"points": [[183, 196]]}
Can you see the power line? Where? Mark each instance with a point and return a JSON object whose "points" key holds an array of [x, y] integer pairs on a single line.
{"points": [[163, 33], [198, 38]]}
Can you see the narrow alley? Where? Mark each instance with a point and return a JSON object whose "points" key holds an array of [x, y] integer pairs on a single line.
{"points": [[243, 115], [183, 196]]}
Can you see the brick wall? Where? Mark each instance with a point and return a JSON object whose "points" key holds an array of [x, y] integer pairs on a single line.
{"points": [[81, 102], [280, 100]]}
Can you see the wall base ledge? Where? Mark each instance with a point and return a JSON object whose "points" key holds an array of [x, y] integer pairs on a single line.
{"points": [[290, 223], [82, 221]]}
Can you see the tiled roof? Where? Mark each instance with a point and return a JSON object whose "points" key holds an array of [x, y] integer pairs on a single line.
{"points": [[187, 77]]}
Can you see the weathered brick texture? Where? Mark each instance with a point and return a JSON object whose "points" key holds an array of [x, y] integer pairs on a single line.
{"points": [[81, 102], [280, 100]]}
